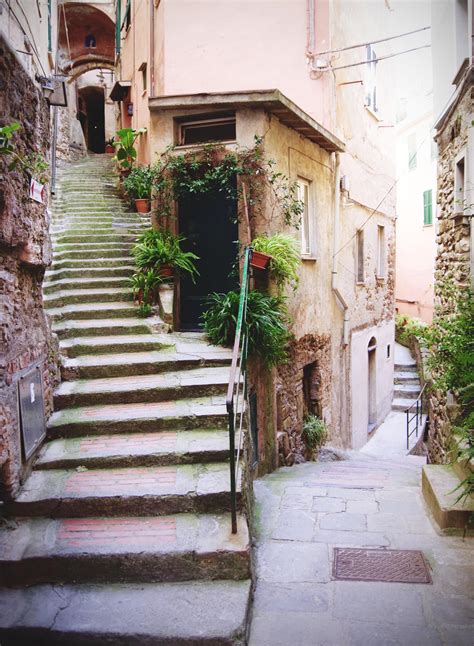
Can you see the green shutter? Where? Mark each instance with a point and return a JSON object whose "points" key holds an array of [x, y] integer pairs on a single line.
{"points": [[118, 25], [50, 39], [427, 207]]}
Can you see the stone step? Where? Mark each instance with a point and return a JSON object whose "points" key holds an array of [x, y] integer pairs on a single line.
{"points": [[68, 223], [87, 263], [101, 327], [202, 412], [180, 547], [89, 272], [116, 236], [112, 344], [105, 294], [91, 311], [440, 486], [52, 286], [194, 382], [140, 363], [163, 614], [91, 246], [154, 491], [402, 377], [402, 404], [406, 391], [135, 450], [110, 252], [405, 367]]}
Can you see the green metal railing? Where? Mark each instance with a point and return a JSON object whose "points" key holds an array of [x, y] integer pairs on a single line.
{"points": [[236, 401]]}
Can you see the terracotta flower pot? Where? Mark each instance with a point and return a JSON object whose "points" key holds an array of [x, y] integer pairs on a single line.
{"points": [[109, 149], [166, 271], [260, 260], [142, 206]]}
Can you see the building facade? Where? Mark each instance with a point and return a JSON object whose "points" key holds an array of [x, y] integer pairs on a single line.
{"points": [[169, 69]]}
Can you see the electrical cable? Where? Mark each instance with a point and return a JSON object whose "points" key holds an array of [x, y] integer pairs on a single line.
{"points": [[31, 39], [372, 42], [373, 60]]}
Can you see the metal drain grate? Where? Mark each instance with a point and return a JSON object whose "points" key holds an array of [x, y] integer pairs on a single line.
{"points": [[400, 566]]}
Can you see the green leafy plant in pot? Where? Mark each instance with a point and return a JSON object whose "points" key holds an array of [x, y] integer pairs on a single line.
{"points": [[284, 257], [126, 153], [109, 146], [138, 186], [267, 324], [314, 433], [161, 251], [144, 284]]}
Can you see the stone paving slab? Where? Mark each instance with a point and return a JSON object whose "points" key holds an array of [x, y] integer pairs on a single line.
{"points": [[118, 343], [136, 449], [165, 548], [126, 614], [303, 512], [112, 492]]}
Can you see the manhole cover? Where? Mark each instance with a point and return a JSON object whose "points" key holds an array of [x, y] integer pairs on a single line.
{"points": [[401, 566]]}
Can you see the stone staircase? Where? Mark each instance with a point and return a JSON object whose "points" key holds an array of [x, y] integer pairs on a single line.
{"points": [[407, 385], [121, 534]]}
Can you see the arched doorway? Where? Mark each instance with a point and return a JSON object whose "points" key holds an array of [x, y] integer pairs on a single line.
{"points": [[371, 385], [92, 117]]}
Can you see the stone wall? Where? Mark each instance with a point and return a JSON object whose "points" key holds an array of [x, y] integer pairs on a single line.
{"points": [[25, 252], [313, 352], [453, 248]]}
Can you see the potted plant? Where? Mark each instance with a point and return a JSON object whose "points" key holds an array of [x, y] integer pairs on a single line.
{"points": [[267, 324], [283, 256], [144, 284], [109, 146], [315, 434], [161, 251], [126, 153], [138, 186]]}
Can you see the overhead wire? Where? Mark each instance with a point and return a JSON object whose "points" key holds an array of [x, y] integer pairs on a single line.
{"points": [[30, 37], [373, 60]]}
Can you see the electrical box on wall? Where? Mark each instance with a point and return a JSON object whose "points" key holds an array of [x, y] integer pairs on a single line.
{"points": [[31, 404], [130, 109]]}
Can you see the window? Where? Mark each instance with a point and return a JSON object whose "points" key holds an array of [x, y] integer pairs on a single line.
{"points": [[412, 151], [360, 256], [459, 198], [306, 226], [143, 69], [370, 81], [90, 41], [380, 252], [388, 351], [427, 207], [203, 130]]}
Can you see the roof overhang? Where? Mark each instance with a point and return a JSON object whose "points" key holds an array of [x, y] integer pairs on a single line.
{"points": [[272, 101], [120, 90]]}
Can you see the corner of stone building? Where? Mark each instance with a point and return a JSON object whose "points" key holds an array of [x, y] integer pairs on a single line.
{"points": [[25, 252]]}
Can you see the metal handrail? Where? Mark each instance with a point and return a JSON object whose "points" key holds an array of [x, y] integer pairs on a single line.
{"points": [[417, 416], [236, 399]]}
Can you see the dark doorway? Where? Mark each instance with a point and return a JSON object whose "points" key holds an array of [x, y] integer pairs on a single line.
{"points": [[209, 224], [91, 116], [371, 389]]}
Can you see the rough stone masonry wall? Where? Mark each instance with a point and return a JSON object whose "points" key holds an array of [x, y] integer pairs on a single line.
{"points": [[453, 253], [310, 349], [25, 252]]}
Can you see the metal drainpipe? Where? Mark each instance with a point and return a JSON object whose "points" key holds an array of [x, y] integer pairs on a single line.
{"points": [[337, 293], [152, 47]]}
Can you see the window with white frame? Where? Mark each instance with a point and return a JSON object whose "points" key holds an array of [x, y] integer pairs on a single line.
{"points": [[381, 252], [459, 185], [306, 227], [370, 79]]}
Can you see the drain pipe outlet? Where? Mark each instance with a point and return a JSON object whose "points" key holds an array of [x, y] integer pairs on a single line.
{"points": [[340, 299]]}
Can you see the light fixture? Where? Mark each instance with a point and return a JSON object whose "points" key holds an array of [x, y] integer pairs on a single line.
{"points": [[46, 85]]}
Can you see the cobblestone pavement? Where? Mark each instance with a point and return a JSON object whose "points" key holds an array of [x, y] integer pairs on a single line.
{"points": [[303, 512]]}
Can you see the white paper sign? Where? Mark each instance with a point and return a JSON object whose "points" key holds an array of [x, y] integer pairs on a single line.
{"points": [[37, 191]]}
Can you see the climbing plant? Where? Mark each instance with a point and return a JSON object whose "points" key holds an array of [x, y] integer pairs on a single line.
{"points": [[214, 168]]}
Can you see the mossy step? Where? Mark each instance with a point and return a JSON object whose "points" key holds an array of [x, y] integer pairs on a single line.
{"points": [[113, 344], [178, 614], [79, 283], [117, 252], [116, 236], [136, 450], [91, 311], [87, 263], [176, 547], [100, 327], [183, 414], [407, 391], [155, 491], [194, 382], [102, 295], [139, 363], [440, 486], [90, 272]]}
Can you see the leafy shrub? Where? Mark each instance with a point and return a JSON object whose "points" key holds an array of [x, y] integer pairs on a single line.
{"points": [[315, 432], [145, 310], [157, 248], [138, 184], [408, 327], [285, 254], [267, 324], [126, 153], [144, 284]]}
